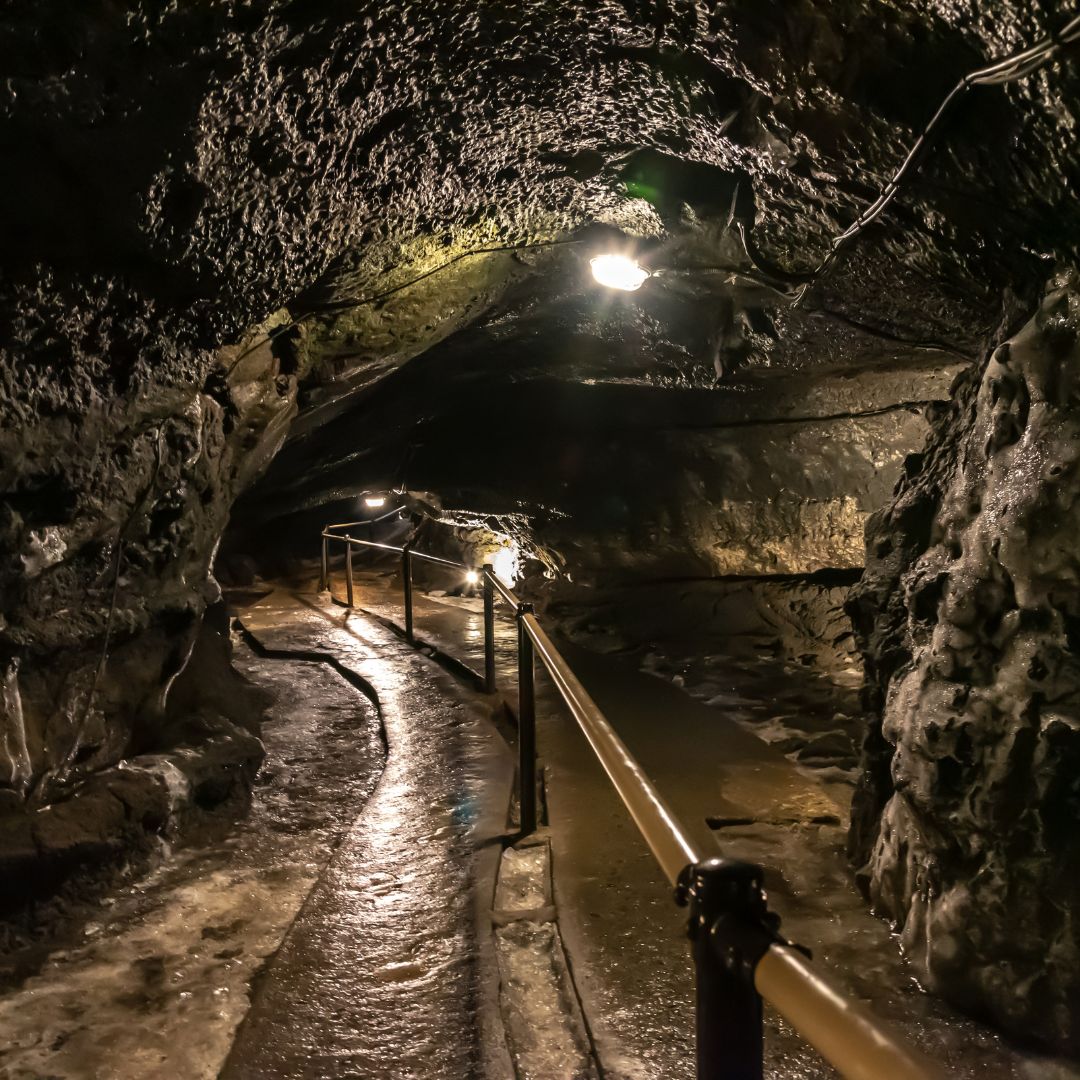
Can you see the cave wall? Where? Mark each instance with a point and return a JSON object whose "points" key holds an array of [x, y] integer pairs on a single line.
{"points": [[603, 424], [640, 483], [181, 180], [964, 823], [173, 177], [113, 510]]}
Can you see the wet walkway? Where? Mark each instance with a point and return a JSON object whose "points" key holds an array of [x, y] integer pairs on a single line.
{"points": [[154, 984], [389, 971], [340, 929], [623, 933], [329, 936]]}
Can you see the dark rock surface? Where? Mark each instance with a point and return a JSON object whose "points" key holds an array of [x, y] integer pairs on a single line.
{"points": [[114, 504], [202, 756], [181, 181], [761, 476], [965, 822]]}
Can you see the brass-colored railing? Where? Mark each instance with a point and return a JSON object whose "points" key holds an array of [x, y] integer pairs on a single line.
{"points": [[740, 958]]}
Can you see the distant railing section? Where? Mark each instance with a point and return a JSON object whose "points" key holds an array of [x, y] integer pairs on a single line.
{"points": [[740, 958]]}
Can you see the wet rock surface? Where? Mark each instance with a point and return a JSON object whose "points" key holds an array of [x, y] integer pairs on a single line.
{"points": [[776, 656], [278, 159], [964, 820], [222, 217], [156, 977], [117, 817]]}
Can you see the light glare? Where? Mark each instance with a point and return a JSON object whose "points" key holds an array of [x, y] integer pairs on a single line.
{"points": [[374, 502], [505, 564], [619, 272], [472, 577]]}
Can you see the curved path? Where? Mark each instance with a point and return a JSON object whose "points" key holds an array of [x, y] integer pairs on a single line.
{"points": [[389, 971], [341, 928]]}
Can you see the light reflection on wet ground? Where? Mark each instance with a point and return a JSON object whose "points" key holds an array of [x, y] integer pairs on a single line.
{"points": [[387, 971], [385, 974], [623, 933], [159, 982]]}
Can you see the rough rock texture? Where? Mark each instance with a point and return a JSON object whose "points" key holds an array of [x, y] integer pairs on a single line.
{"points": [[969, 614], [610, 475], [114, 503], [203, 756], [181, 180]]}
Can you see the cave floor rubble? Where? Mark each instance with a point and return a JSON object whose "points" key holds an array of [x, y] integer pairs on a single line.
{"points": [[623, 935]]}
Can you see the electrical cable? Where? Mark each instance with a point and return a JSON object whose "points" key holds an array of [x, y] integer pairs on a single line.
{"points": [[788, 283], [998, 73]]}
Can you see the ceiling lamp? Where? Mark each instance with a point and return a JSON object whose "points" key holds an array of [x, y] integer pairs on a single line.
{"points": [[619, 272]]}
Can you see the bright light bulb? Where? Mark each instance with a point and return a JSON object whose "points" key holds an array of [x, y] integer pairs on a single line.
{"points": [[374, 502], [619, 272], [472, 577]]}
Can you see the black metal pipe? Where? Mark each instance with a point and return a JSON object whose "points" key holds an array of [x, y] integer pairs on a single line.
{"points": [[406, 589], [324, 578], [489, 629], [730, 930], [526, 725], [439, 561], [348, 572]]}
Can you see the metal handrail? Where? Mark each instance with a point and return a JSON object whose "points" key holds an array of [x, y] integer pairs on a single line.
{"points": [[350, 540], [658, 825], [739, 956], [501, 588], [422, 555], [839, 1029]]}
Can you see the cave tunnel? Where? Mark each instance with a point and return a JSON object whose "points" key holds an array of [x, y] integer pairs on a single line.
{"points": [[475, 477]]}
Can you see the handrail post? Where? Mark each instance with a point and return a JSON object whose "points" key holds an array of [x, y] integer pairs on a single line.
{"points": [[406, 589], [489, 629], [526, 724], [740, 958], [730, 930], [348, 571]]}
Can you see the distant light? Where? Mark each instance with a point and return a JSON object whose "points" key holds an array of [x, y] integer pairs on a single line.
{"points": [[472, 577], [374, 502], [505, 564], [619, 272]]}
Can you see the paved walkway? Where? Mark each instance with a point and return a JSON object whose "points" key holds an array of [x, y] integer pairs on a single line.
{"points": [[388, 971], [624, 935]]}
